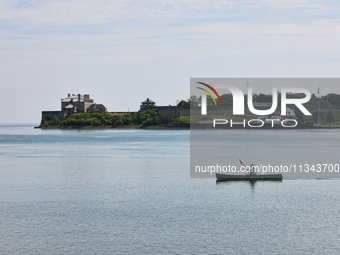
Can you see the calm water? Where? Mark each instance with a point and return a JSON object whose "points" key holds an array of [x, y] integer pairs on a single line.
{"points": [[129, 192], [290, 148]]}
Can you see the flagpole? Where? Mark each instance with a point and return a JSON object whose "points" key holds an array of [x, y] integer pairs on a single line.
{"points": [[319, 104]]}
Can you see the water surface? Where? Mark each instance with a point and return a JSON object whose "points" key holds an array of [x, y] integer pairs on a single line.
{"points": [[129, 191]]}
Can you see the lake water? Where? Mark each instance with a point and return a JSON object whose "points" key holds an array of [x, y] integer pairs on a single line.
{"points": [[296, 153], [130, 192]]}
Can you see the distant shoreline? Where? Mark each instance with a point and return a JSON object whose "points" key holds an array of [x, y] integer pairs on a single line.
{"points": [[170, 126], [182, 126]]}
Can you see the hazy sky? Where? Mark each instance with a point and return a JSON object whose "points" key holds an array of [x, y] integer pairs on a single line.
{"points": [[121, 52]]}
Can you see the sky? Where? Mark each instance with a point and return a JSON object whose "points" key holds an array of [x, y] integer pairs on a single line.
{"points": [[122, 52]]}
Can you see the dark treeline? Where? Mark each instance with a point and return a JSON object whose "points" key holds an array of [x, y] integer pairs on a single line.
{"points": [[227, 99], [333, 98], [150, 117]]}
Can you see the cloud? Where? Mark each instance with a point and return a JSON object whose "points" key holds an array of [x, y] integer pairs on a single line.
{"points": [[99, 38], [213, 39], [73, 12], [88, 12], [56, 47]]}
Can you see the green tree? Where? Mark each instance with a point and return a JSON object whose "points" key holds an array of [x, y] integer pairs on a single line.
{"points": [[108, 122], [330, 117], [333, 98], [300, 116], [227, 99], [53, 122], [46, 123], [262, 98], [147, 122], [150, 117], [119, 122], [194, 101], [296, 95], [166, 118]]}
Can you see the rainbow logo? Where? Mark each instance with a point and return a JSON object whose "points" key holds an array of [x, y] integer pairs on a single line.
{"points": [[218, 96]]}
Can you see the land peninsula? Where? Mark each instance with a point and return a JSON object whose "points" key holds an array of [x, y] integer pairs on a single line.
{"points": [[80, 111], [148, 119]]}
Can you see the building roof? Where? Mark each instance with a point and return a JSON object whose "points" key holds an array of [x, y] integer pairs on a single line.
{"points": [[148, 101], [96, 106], [73, 98]]}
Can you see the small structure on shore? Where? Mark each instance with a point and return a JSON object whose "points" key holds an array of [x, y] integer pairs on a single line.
{"points": [[148, 103]]}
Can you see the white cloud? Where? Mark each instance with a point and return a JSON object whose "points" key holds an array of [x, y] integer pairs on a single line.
{"points": [[85, 12], [213, 39]]}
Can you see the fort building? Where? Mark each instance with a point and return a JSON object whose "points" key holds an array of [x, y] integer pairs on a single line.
{"points": [[175, 111], [74, 104], [147, 104]]}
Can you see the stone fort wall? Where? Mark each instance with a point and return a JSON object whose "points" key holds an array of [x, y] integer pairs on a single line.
{"points": [[59, 114], [173, 110]]}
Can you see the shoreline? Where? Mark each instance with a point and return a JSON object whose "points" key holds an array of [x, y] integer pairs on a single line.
{"points": [[183, 126], [169, 127]]}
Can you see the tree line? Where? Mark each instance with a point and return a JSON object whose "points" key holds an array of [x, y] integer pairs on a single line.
{"points": [[227, 99], [150, 117]]}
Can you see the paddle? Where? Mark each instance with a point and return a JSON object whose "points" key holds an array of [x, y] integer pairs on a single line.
{"points": [[244, 165]]}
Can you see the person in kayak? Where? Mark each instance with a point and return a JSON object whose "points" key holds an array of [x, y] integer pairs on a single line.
{"points": [[252, 170]]}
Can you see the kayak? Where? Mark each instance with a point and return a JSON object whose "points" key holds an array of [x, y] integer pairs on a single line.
{"points": [[248, 177]]}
